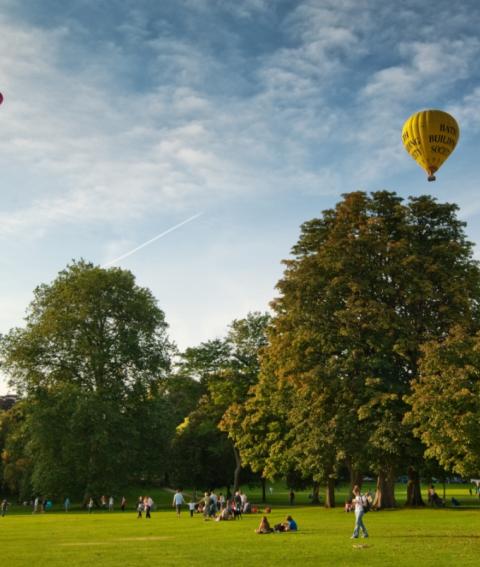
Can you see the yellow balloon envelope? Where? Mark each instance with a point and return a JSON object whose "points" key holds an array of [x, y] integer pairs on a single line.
{"points": [[430, 136]]}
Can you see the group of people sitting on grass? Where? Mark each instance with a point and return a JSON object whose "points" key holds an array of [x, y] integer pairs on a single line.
{"points": [[288, 525], [221, 508]]}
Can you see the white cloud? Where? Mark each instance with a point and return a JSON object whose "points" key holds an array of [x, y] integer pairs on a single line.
{"points": [[427, 68], [244, 9], [116, 156], [467, 111]]}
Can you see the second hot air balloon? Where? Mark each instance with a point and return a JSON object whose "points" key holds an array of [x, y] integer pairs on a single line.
{"points": [[430, 136]]}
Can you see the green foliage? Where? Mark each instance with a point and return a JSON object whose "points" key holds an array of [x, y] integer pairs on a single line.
{"points": [[202, 456], [369, 283], [205, 360], [445, 402], [16, 465], [88, 363], [228, 368]]}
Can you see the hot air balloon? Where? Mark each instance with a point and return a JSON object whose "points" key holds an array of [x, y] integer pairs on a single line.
{"points": [[430, 136]]}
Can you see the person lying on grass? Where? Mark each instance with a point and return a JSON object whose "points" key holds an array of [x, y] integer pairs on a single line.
{"points": [[288, 525]]}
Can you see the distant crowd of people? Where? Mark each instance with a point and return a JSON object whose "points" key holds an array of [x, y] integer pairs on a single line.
{"points": [[103, 503], [41, 505], [215, 506]]}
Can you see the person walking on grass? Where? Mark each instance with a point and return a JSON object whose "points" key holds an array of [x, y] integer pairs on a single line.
{"points": [[147, 506], [360, 503], [139, 506], [178, 501]]}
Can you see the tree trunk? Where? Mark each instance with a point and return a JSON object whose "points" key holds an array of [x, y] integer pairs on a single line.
{"points": [[330, 493], [414, 494], [238, 468], [385, 492], [356, 478], [264, 490], [315, 493]]}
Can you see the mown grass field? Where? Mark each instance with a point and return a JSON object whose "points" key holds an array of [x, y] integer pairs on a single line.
{"points": [[440, 537]]}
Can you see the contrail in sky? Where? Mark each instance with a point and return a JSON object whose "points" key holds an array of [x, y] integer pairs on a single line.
{"points": [[162, 234]]}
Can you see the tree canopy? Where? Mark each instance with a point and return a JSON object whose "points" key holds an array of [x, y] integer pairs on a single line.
{"points": [[369, 283], [88, 362]]}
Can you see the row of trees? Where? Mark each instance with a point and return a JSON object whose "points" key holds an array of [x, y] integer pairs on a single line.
{"points": [[104, 397], [369, 363]]}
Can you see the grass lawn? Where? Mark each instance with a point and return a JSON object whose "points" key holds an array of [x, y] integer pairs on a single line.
{"points": [[440, 537]]}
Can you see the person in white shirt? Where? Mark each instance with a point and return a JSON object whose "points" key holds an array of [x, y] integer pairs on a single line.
{"points": [[178, 501], [243, 499], [359, 503]]}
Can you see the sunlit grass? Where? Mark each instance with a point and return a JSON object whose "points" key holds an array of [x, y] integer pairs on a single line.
{"points": [[399, 537]]}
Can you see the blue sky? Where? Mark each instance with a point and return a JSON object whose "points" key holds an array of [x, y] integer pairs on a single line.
{"points": [[123, 118]]}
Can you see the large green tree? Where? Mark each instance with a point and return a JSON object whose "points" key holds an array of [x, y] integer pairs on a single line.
{"points": [[369, 282], [88, 363]]}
